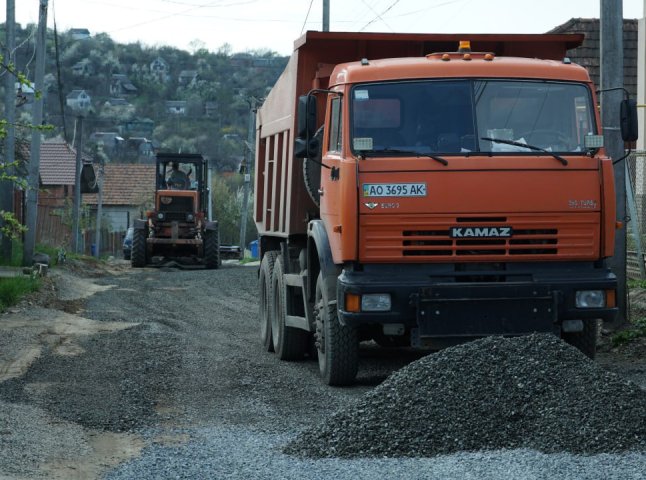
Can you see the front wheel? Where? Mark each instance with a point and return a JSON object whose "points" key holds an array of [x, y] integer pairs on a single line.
{"points": [[138, 252], [586, 340], [212, 248], [337, 345]]}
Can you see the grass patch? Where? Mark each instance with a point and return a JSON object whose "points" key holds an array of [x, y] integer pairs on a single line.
{"points": [[248, 260], [636, 330], [14, 288]]}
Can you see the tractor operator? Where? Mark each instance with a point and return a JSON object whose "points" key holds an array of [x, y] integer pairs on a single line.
{"points": [[177, 179]]}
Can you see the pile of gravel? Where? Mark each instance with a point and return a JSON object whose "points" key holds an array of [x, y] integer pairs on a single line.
{"points": [[533, 392]]}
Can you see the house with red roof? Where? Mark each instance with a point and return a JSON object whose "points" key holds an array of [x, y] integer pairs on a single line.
{"points": [[128, 191], [56, 195]]}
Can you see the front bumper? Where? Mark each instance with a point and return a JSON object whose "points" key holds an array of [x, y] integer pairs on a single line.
{"points": [[476, 300]]}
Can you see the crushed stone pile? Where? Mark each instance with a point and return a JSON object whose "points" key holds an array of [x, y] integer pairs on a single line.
{"points": [[533, 392]]}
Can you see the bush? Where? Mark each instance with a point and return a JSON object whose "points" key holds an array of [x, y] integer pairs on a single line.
{"points": [[636, 330]]}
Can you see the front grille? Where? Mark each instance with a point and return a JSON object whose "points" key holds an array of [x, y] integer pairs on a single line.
{"points": [[177, 209], [439, 243], [534, 236]]}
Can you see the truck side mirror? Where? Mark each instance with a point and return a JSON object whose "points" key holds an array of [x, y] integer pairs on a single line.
{"points": [[303, 149], [306, 116], [628, 120]]}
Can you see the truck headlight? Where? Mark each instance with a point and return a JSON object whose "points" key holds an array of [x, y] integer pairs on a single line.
{"points": [[160, 216], [190, 217], [375, 302], [590, 299]]}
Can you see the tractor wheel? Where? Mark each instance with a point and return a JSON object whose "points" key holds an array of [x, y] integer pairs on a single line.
{"points": [[138, 253], [312, 171], [212, 248], [585, 341], [289, 343], [337, 345], [265, 313]]}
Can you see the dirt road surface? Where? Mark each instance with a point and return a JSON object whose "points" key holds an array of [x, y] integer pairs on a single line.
{"points": [[111, 372]]}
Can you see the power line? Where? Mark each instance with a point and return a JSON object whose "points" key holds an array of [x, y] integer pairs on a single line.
{"points": [[375, 12], [415, 12], [306, 16], [378, 16]]}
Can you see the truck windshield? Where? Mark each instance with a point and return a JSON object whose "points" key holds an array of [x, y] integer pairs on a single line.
{"points": [[453, 117]]}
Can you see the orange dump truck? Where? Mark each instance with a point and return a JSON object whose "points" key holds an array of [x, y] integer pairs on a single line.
{"points": [[419, 198]]}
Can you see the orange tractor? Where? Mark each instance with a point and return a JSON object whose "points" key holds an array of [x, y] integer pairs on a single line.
{"points": [[178, 228]]}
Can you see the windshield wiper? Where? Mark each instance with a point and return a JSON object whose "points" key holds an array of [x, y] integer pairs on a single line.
{"points": [[524, 145], [443, 161]]}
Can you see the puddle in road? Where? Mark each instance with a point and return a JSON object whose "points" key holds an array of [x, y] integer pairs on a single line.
{"points": [[71, 287], [47, 327], [107, 450]]}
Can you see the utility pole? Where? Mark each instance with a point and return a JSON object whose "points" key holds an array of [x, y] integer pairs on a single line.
{"points": [[34, 162], [77, 187], [248, 162], [7, 187], [326, 15], [99, 208], [612, 77]]}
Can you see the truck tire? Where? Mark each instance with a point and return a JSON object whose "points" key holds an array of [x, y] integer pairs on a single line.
{"points": [[312, 170], [337, 345], [212, 248], [265, 313], [289, 343], [585, 341], [138, 253]]}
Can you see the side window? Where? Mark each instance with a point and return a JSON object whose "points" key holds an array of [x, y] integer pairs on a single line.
{"points": [[336, 126]]}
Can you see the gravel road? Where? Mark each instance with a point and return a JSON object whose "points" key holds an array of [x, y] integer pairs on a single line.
{"points": [[158, 373]]}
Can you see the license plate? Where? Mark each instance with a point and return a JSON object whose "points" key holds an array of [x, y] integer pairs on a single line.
{"points": [[394, 189]]}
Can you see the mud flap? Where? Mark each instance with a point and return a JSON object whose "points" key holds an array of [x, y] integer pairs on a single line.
{"points": [[455, 310]]}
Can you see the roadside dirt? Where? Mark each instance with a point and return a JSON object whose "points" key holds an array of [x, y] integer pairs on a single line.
{"points": [[628, 359]]}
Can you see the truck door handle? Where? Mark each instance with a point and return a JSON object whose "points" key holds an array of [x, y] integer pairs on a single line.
{"points": [[321, 191]]}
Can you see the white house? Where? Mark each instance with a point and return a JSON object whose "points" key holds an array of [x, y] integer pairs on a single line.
{"points": [[78, 100]]}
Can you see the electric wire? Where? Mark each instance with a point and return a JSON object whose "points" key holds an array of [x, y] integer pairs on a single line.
{"points": [[309, 9], [382, 13], [378, 15]]}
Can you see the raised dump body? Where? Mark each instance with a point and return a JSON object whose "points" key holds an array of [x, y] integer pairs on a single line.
{"points": [[421, 195]]}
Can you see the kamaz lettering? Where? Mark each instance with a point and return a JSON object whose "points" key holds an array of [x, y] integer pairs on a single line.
{"points": [[480, 232]]}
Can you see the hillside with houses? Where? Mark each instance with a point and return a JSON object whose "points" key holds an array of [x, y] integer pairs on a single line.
{"points": [[137, 99], [124, 103]]}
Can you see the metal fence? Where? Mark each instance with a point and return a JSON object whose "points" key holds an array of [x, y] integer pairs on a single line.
{"points": [[636, 204]]}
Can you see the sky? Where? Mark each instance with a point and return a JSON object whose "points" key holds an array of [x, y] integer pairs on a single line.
{"points": [[274, 24]]}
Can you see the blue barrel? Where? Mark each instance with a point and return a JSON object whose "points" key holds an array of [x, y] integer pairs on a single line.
{"points": [[93, 250], [253, 247]]}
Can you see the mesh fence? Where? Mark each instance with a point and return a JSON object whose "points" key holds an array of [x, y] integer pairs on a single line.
{"points": [[636, 228]]}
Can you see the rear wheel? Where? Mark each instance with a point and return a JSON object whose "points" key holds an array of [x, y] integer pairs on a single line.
{"points": [[138, 253], [337, 345], [265, 313], [212, 248], [585, 341], [289, 343]]}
